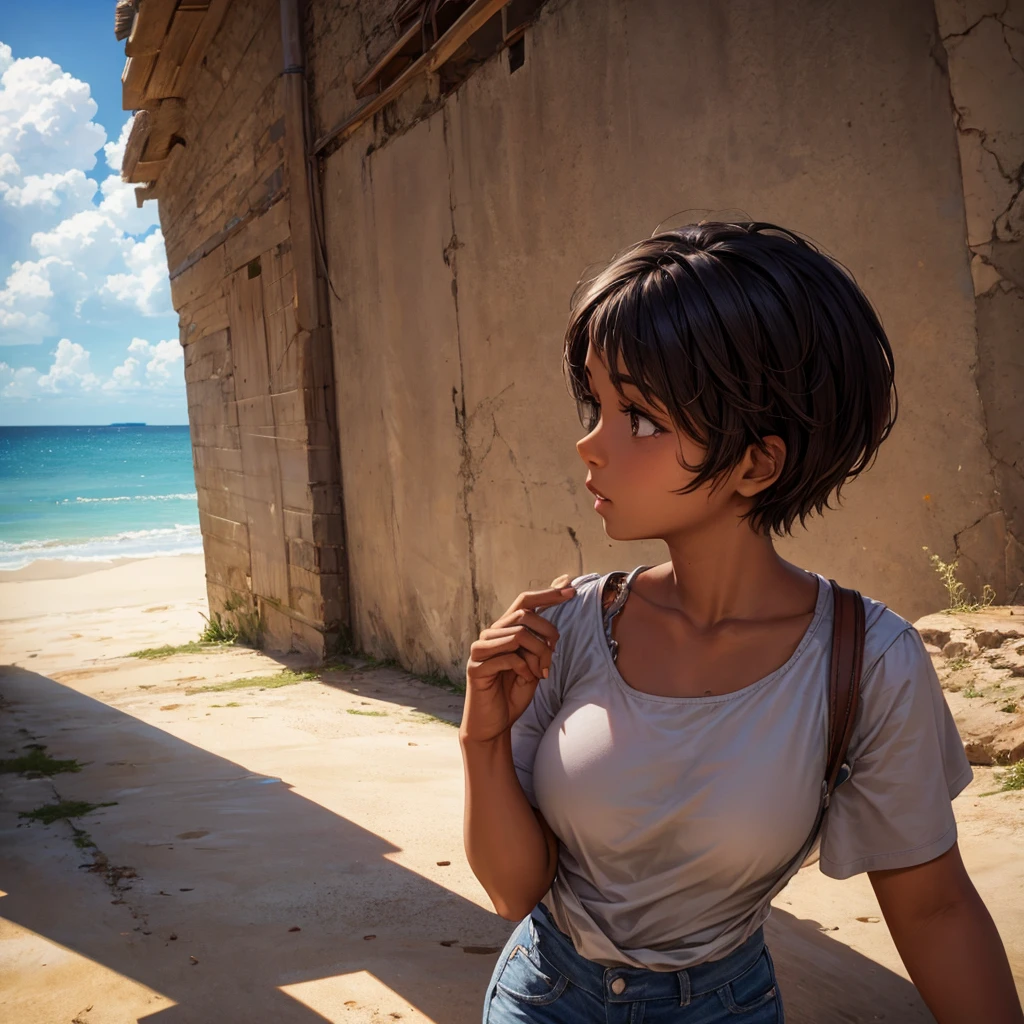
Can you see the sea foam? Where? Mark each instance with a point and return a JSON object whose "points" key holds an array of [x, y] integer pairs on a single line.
{"points": [[179, 539]]}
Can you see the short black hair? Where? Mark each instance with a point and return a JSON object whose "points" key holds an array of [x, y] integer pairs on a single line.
{"points": [[741, 331]]}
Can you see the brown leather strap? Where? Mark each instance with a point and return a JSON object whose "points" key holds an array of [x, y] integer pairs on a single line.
{"points": [[844, 678]]}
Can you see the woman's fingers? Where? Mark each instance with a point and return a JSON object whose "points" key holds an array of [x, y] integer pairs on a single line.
{"points": [[494, 641], [484, 672]]}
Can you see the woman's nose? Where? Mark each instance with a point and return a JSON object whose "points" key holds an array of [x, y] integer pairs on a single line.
{"points": [[589, 449]]}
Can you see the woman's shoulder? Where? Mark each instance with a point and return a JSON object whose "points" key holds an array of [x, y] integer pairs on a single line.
{"points": [[894, 653], [882, 628]]}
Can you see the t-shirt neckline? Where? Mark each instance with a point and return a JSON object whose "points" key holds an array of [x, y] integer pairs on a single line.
{"points": [[820, 608]]}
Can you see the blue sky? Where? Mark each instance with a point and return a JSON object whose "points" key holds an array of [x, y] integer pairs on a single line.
{"points": [[87, 332]]}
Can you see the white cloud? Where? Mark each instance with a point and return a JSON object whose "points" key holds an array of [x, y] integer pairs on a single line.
{"points": [[54, 189], [79, 248], [114, 151], [70, 370], [149, 364], [46, 116], [19, 383], [149, 367]]}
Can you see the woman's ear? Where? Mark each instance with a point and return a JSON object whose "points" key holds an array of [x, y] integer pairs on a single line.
{"points": [[760, 467]]}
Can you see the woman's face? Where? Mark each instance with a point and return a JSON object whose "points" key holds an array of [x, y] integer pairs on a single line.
{"points": [[633, 460]]}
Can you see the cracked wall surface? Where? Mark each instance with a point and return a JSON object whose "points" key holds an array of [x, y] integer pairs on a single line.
{"points": [[984, 46], [457, 228]]}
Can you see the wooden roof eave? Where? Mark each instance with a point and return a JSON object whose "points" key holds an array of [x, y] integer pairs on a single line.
{"points": [[167, 40], [473, 18]]}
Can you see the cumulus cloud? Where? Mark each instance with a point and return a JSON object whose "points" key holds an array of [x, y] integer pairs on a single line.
{"points": [[81, 248], [114, 151], [46, 116], [149, 364], [152, 367]]}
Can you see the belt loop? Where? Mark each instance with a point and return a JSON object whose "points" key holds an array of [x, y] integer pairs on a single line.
{"points": [[684, 987]]}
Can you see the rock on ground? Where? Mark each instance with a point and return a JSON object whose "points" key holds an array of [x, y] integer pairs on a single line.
{"points": [[979, 657]]}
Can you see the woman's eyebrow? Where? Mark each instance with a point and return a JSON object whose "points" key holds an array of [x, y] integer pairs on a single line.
{"points": [[624, 379]]}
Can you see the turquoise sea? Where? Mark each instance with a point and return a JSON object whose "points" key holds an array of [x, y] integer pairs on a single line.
{"points": [[96, 493]]}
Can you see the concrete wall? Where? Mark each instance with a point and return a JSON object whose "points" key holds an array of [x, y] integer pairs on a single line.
{"points": [[458, 226], [984, 42], [261, 404]]}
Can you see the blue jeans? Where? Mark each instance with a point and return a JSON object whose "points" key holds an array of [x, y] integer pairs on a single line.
{"points": [[541, 979]]}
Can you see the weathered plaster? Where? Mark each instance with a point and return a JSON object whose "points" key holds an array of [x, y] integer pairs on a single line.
{"points": [[457, 227], [985, 50]]}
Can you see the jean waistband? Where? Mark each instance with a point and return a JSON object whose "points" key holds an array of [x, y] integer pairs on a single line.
{"points": [[635, 984]]}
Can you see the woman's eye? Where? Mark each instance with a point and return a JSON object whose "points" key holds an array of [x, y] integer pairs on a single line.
{"points": [[589, 413], [640, 425]]}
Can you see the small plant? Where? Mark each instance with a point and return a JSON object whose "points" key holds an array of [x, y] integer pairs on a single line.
{"points": [[37, 761], [368, 714], [217, 631], [1009, 708], [959, 598], [49, 813], [957, 663], [425, 716], [237, 625], [168, 650], [284, 678], [230, 704], [970, 690], [1011, 779]]}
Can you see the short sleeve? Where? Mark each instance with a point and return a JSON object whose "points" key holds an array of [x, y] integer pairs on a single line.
{"points": [[908, 764], [528, 730]]}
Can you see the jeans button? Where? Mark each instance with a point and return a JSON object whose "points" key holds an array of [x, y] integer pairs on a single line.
{"points": [[618, 986]]}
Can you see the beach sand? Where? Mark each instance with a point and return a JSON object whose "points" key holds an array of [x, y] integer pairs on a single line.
{"points": [[295, 854]]}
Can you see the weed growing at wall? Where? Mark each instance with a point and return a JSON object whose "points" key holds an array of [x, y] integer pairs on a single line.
{"points": [[959, 598], [238, 625]]}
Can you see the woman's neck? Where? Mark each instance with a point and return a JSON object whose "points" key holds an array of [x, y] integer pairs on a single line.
{"points": [[727, 571]]}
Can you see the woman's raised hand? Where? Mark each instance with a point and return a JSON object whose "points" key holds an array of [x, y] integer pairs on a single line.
{"points": [[507, 662]]}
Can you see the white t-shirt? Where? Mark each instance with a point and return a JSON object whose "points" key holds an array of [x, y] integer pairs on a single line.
{"points": [[676, 815]]}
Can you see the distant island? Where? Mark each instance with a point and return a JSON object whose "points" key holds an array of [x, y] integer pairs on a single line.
{"points": [[127, 424]]}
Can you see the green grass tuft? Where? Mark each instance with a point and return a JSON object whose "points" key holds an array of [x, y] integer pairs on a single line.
{"points": [[37, 760], [230, 704], [168, 650], [368, 714], [1012, 778], [425, 716], [284, 678], [49, 813]]}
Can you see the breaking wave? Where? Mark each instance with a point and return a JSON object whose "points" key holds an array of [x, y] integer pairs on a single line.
{"points": [[175, 540]]}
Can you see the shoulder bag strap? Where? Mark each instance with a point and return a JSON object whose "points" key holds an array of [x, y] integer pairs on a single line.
{"points": [[845, 667], [845, 670]]}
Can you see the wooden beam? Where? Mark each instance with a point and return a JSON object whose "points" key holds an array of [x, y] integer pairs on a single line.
{"points": [[167, 123], [367, 84], [134, 80], [476, 15], [138, 136], [207, 30], [150, 27], [184, 26], [145, 170]]}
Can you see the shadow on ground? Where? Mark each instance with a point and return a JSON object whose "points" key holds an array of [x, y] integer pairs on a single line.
{"points": [[232, 862]]}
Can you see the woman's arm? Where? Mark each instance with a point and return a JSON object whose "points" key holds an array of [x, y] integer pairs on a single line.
{"points": [[510, 847], [948, 941]]}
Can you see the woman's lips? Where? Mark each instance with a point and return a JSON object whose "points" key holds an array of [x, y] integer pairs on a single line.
{"points": [[600, 498]]}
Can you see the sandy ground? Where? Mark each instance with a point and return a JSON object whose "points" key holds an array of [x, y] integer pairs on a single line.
{"points": [[294, 854]]}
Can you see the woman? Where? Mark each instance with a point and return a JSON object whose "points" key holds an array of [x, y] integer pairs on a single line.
{"points": [[644, 755]]}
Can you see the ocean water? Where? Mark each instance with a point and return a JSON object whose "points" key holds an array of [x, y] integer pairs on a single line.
{"points": [[96, 493]]}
